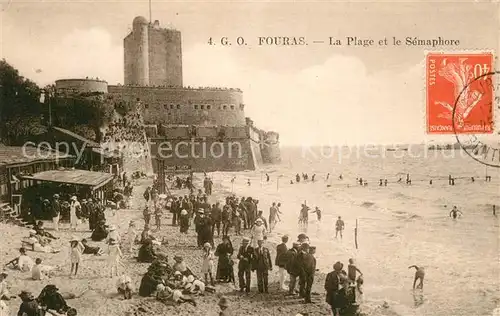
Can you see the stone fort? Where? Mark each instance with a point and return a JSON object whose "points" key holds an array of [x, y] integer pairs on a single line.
{"points": [[172, 113]]}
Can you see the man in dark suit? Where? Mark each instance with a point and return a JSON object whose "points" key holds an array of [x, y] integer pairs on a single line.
{"points": [[292, 268], [281, 260], [307, 262], [245, 256], [262, 264]]}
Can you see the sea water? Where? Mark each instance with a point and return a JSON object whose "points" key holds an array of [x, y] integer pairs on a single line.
{"points": [[398, 225]]}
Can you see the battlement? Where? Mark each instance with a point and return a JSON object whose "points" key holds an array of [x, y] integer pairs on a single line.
{"points": [[81, 85]]}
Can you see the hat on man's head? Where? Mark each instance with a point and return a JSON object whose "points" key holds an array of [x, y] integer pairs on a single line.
{"points": [[51, 287], [56, 196], [302, 236], [223, 302], [73, 198], [74, 238], [26, 294], [201, 211], [184, 212], [4, 274], [207, 245], [295, 244], [32, 232], [259, 220], [111, 228], [245, 239], [190, 278]]}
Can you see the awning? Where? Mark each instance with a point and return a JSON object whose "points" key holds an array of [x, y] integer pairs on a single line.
{"points": [[91, 179]]}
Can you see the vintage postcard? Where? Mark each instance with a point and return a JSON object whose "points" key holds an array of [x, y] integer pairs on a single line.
{"points": [[249, 158]]}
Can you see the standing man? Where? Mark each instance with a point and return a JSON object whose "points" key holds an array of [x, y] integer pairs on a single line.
{"points": [[262, 264], [216, 215], [273, 216], [245, 257], [281, 259], [292, 268], [308, 264], [339, 227], [56, 211]]}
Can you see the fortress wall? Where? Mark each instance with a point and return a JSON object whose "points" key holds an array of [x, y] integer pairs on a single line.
{"points": [[165, 57], [205, 155], [174, 132], [81, 85], [271, 153], [257, 155], [186, 106], [203, 131], [151, 130]]}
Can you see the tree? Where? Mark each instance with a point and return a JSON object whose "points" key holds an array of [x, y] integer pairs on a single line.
{"points": [[20, 108]]}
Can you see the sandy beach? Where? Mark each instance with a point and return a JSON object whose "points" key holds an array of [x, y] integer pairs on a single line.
{"points": [[99, 292]]}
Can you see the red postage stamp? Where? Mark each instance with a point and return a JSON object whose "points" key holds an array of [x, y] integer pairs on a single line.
{"points": [[459, 85]]}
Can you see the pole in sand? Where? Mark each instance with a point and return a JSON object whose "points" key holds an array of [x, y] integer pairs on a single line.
{"points": [[356, 234]]}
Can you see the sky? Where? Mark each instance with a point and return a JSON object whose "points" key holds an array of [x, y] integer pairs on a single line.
{"points": [[315, 94]]}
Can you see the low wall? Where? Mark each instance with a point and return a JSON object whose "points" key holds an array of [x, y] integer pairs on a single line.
{"points": [[204, 154]]}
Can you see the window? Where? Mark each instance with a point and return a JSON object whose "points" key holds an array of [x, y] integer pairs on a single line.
{"points": [[178, 106], [196, 106], [138, 99], [171, 106], [202, 107], [224, 107], [146, 106], [242, 106], [232, 107], [208, 107], [165, 106]]}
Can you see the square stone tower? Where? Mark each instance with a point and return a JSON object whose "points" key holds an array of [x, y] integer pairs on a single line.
{"points": [[153, 55]]}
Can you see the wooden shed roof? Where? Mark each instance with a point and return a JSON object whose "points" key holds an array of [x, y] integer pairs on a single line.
{"points": [[73, 176], [14, 155]]}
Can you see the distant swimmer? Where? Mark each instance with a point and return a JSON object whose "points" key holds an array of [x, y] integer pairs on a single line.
{"points": [[360, 181], [297, 178], [291, 181], [327, 176], [400, 180], [472, 179], [339, 227], [455, 212], [419, 275], [381, 183], [313, 177], [318, 213], [304, 215], [341, 177], [267, 177], [430, 182], [248, 182], [385, 182]]}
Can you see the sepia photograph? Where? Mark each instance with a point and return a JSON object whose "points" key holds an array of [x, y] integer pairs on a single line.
{"points": [[273, 158]]}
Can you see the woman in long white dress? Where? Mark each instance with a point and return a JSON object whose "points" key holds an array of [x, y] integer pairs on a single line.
{"points": [[258, 232], [74, 207]]}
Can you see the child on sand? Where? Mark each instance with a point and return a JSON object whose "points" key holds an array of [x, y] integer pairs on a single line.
{"points": [[40, 271], [208, 263], [351, 271], [75, 255], [115, 255]]}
